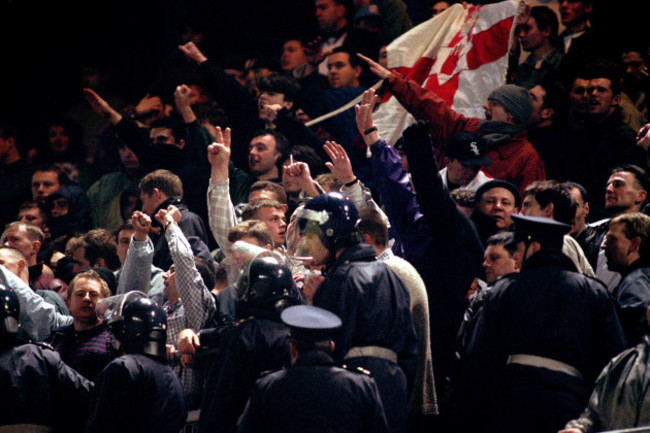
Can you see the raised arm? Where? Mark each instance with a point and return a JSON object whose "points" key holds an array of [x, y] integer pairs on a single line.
{"points": [[136, 271], [198, 302], [221, 212]]}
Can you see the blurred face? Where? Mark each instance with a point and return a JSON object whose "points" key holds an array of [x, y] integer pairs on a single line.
{"points": [[634, 65], [495, 112], [383, 56], [340, 71], [33, 216], [531, 207], [497, 263], [149, 203], [58, 138], [531, 36], [573, 12], [439, 7], [128, 158], [293, 55], [578, 99], [539, 113], [60, 207], [275, 220], [8, 260], [522, 252], [169, 283], [582, 211], [83, 300], [123, 242], [16, 237], [329, 15], [44, 183], [160, 135], [618, 248], [498, 203], [79, 260], [460, 174], [622, 193], [262, 155], [270, 98], [601, 98]]}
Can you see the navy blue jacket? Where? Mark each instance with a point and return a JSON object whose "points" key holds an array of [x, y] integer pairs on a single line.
{"points": [[317, 396]]}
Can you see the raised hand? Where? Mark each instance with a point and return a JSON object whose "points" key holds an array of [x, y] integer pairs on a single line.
{"points": [[192, 52], [142, 225], [375, 67], [149, 104], [340, 166], [219, 154]]}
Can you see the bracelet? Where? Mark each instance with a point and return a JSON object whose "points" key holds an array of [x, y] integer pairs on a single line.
{"points": [[167, 224], [351, 183], [369, 130]]}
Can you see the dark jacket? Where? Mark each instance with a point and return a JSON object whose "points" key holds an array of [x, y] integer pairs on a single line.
{"points": [[632, 297], [374, 305], [247, 349], [547, 310], [38, 388], [137, 393], [191, 224], [314, 395]]}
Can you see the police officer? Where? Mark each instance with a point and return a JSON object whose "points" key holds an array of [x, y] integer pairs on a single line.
{"points": [[541, 338], [258, 342], [377, 333], [314, 391], [38, 390], [138, 391]]}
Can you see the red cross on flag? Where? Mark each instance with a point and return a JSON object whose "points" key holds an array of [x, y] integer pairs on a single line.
{"points": [[460, 54]]}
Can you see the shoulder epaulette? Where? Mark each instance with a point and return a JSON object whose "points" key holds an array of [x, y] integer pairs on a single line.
{"points": [[359, 370]]}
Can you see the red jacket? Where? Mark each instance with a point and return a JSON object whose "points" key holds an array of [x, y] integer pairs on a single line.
{"points": [[515, 161]]}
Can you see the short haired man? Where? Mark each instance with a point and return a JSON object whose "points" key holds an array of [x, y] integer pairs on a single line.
{"points": [[97, 249], [293, 55], [158, 190], [512, 332], [627, 249], [28, 239], [465, 153], [343, 69], [626, 192], [46, 179], [86, 345], [499, 259], [374, 230], [332, 18], [550, 199], [343, 401], [538, 36], [271, 213], [603, 141]]}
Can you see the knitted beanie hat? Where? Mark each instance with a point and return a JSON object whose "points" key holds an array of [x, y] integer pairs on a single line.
{"points": [[515, 100]]}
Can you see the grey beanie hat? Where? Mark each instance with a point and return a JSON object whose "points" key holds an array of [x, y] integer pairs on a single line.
{"points": [[515, 100]]}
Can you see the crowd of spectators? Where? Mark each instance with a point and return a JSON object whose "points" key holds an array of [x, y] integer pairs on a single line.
{"points": [[148, 169]]}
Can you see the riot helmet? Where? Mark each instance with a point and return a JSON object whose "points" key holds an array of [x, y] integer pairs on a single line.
{"points": [[137, 322], [330, 218], [9, 312], [266, 283]]}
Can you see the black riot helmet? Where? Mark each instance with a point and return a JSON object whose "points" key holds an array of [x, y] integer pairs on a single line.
{"points": [[139, 324], [9, 312], [331, 217], [265, 283]]}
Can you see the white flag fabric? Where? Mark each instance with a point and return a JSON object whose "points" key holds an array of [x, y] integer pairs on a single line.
{"points": [[460, 54]]}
